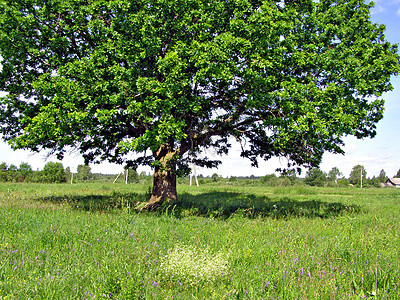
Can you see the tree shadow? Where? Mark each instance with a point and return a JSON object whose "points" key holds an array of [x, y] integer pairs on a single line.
{"points": [[221, 205], [227, 204], [116, 201]]}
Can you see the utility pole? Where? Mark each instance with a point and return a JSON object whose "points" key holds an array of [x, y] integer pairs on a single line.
{"points": [[116, 178], [361, 175], [193, 172]]}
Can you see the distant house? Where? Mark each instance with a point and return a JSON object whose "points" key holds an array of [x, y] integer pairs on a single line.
{"points": [[395, 182]]}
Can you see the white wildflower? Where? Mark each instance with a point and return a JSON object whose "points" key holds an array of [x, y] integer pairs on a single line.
{"points": [[193, 265]]}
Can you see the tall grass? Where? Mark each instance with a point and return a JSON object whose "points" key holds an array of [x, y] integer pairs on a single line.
{"points": [[86, 241]]}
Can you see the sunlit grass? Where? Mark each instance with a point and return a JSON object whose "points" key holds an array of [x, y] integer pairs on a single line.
{"points": [[86, 241]]}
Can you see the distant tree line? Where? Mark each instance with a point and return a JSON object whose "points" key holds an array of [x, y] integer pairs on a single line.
{"points": [[54, 172], [357, 177], [313, 177]]}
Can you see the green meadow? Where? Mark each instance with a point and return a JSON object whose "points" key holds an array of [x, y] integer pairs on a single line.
{"points": [[91, 241]]}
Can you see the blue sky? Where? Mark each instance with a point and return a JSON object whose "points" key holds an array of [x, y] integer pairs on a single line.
{"points": [[381, 152]]}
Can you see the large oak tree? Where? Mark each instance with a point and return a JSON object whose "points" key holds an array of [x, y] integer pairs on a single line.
{"points": [[164, 78]]}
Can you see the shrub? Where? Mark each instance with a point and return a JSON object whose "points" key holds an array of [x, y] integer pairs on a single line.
{"points": [[53, 173]]}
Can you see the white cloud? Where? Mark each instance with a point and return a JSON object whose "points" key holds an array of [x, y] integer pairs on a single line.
{"points": [[377, 9], [384, 5]]}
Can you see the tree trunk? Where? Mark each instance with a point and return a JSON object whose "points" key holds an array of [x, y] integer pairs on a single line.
{"points": [[164, 183], [164, 187]]}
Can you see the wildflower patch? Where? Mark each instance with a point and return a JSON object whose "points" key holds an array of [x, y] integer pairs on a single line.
{"points": [[193, 265]]}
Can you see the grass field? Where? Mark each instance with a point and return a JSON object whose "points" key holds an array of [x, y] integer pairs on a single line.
{"points": [[86, 241]]}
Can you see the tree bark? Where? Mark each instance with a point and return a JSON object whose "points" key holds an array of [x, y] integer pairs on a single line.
{"points": [[164, 182], [164, 187]]}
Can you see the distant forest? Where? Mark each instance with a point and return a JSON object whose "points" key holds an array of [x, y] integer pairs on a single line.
{"points": [[54, 172]]}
